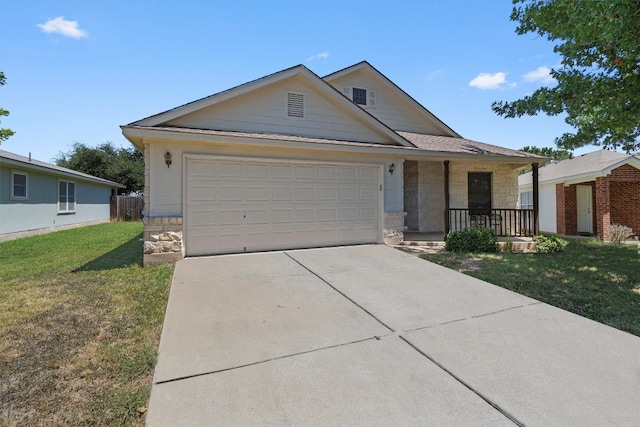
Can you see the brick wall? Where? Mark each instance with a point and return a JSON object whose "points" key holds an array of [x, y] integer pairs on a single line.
{"points": [[624, 190], [567, 209]]}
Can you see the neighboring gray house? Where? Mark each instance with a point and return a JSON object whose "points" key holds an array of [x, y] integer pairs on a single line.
{"points": [[38, 197]]}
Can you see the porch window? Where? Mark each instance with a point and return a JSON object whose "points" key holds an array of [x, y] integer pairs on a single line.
{"points": [[526, 200], [479, 193]]}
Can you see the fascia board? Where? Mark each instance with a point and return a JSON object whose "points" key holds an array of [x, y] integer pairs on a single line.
{"points": [[409, 153]]}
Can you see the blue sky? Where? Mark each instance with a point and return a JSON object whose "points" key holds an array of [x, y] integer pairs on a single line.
{"points": [[77, 70]]}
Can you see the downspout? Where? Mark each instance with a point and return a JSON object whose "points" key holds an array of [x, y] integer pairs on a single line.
{"points": [[447, 225], [536, 217]]}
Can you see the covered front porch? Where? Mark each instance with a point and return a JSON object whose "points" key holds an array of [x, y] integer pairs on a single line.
{"points": [[449, 195]]}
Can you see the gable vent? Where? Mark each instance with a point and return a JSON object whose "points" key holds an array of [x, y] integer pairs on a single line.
{"points": [[295, 105]]}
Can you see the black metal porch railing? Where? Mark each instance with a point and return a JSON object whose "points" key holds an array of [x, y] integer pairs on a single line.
{"points": [[505, 222]]}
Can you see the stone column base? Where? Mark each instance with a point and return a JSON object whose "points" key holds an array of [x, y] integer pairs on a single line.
{"points": [[162, 239], [393, 227]]}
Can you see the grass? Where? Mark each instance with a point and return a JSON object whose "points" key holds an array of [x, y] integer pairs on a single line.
{"points": [[595, 280], [80, 322]]}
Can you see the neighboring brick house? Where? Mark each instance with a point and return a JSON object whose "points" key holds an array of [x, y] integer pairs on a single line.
{"points": [[585, 195]]}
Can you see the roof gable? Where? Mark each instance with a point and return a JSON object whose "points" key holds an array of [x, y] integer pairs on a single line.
{"points": [[262, 106], [394, 107]]}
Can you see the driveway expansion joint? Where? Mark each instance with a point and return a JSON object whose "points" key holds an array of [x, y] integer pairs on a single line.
{"points": [[340, 292], [259, 362], [497, 407]]}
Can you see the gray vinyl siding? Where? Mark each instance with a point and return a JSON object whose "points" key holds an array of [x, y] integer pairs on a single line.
{"points": [[40, 209]]}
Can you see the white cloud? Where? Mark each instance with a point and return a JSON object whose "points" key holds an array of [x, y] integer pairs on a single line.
{"points": [[540, 74], [322, 56], [61, 26], [488, 81], [432, 75]]}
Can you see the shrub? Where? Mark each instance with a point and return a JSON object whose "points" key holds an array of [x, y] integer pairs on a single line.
{"points": [[618, 233], [474, 239], [546, 243]]}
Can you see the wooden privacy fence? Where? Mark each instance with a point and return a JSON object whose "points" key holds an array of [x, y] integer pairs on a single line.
{"points": [[127, 208]]}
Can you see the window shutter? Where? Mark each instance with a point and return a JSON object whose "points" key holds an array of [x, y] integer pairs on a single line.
{"points": [[346, 91], [371, 98], [295, 105]]}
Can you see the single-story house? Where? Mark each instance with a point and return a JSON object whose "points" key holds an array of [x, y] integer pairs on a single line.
{"points": [[584, 195], [38, 197], [294, 160]]}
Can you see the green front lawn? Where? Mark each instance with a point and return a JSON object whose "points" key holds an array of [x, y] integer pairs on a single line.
{"points": [[80, 322], [595, 280]]}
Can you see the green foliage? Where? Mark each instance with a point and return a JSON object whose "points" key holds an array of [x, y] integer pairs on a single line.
{"points": [[77, 304], [589, 278], [474, 239], [4, 133], [122, 165], [599, 75], [548, 243], [552, 153]]}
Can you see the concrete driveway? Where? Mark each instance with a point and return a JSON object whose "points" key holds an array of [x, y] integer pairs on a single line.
{"points": [[369, 335]]}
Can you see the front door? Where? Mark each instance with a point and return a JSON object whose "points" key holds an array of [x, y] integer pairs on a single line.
{"points": [[585, 218]]}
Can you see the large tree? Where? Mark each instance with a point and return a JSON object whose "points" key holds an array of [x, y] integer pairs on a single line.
{"points": [[121, 165], [598, 81], [4, 133], [552, 153]]}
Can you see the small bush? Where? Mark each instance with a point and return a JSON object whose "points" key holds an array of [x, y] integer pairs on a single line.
{"points": [[546, 244], [474, 239], [618, 233]]}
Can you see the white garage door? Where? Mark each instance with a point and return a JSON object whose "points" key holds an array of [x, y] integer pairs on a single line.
{"points": [[237, 205]]}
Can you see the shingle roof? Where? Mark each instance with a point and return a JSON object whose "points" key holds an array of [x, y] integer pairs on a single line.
{"points": [[594, 163], [37, 164], [460, 145]]}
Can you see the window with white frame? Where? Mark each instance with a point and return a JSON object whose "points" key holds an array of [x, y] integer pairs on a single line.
{"points": [[361, 96], [526, 200], [19, 185], [66, 196]]}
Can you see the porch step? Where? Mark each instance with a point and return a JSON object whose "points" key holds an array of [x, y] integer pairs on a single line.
{"points": [[422, 243]]}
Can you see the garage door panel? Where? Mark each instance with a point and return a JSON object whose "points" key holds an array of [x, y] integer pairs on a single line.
{"points": [[204, 193], [305, 194], [327, 193], [326, 173], [229, 217], [282, 172], [305, 215], [327, 214], [347, 173], [236, 206], [348, 193], [366, 214], [256, 216], [282, 216], [305, 172]]}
